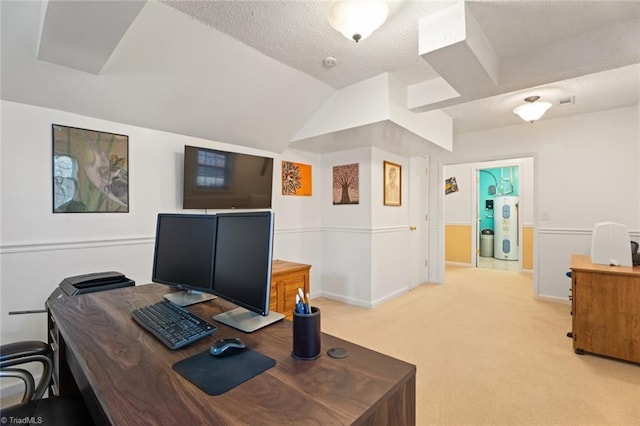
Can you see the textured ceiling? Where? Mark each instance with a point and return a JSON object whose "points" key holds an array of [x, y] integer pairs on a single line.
{"points": [[297, 32], [251, 73]]}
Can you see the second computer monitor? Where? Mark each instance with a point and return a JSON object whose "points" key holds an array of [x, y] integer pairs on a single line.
{"points": [[242, 268]]}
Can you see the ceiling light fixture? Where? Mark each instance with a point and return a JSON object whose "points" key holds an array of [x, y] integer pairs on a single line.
{"points": [[532, 110], [357, 19]]}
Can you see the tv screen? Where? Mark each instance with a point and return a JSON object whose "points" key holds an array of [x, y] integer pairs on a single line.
{"points": [[226, 180], [184, 255]]}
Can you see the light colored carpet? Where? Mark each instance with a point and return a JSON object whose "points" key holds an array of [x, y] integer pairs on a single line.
{"points": [[487, 353]]}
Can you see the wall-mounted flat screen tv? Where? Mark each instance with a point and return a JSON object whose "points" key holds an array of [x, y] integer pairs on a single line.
{"points": [[226, 180]]}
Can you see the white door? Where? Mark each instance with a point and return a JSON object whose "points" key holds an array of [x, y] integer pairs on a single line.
{"points": [[418, 220]]}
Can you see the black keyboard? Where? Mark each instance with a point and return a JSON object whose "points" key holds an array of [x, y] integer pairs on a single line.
{"points": [[171, 324]]}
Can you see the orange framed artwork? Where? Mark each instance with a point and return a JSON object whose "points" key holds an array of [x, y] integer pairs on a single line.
{"points": [[296, 179]]}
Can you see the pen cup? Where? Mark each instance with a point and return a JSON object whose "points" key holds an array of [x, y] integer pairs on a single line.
{"points": [[306, 335]]}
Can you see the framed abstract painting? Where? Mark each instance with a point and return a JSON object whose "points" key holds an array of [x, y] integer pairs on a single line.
{"points": [[90, 171], [296, 179]]}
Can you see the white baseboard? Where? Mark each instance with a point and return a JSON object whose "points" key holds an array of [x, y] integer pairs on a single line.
{"points": [[389, 297], [554, 299], [347, 300]]}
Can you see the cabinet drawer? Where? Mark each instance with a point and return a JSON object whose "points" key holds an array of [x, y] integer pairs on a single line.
{"points": [[289, 289], [286, 279]]}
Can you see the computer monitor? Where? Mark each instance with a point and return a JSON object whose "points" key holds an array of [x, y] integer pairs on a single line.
{"points": [[183, 256], [242, 268]]}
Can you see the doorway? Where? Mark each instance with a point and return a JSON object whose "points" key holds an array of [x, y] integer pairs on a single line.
{"points": [[466, 213], [498, 218]]}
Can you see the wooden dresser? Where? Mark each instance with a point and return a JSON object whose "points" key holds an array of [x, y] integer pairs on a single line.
{"points": [[605, 309], [286, 278]]}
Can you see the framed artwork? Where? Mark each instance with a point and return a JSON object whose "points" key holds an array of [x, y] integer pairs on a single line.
{"points": [[296, 178], [346, 184], [90, 171], [392, 184], [450, 185]]}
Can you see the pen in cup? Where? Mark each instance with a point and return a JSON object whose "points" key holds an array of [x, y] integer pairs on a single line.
{"points": [[299, 305], [306, 306]]}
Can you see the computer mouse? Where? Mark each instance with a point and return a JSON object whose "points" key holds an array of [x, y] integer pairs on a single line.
{"points": [[226, 347]]}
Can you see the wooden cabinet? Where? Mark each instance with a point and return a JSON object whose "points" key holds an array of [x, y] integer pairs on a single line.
{"points": [[286, 278], [606, 309]]}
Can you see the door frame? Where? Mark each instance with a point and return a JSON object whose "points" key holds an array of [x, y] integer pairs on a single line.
{"points": [[475, 232]]}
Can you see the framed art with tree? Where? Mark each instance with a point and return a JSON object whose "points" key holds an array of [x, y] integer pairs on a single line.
{"points": [[346, 184]]}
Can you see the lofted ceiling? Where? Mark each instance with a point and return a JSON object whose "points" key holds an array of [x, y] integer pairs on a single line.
{"points": [[251, 72]]}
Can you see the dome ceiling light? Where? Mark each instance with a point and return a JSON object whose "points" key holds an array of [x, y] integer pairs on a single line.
{"points": [[357, 19], [532, 110]]}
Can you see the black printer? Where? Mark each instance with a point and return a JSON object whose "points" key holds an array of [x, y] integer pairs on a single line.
{"points": [[96, 281]]}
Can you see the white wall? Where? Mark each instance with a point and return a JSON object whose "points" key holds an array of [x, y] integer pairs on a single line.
{"points": [[346, 244], [457, 205], [366, 258], [298, 232], [586, 171], [38, 248], [390, 256], [359, 253]]}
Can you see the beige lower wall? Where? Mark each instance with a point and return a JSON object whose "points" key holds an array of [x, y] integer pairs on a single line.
{"points": [[457, 245]]}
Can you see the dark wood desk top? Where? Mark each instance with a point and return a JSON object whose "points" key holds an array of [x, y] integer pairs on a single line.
{"points": [[129, 373]]}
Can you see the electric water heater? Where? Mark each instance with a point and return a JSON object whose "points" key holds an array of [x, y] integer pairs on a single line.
{"points": [[505, 227]]}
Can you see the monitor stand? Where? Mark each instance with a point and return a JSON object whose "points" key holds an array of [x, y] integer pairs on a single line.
{"points": [[188, 297], [247, 321]]}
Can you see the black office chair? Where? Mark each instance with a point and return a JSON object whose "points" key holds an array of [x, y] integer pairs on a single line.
{"points": [[65, 411]]}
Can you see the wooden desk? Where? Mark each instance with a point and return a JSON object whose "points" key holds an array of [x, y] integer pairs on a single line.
{"points": [[125, 374], [606, 309]]}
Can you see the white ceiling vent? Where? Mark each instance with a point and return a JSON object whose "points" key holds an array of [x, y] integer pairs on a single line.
{"points": [[567, 101]]}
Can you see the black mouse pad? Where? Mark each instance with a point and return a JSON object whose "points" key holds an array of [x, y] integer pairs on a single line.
{"points": [[217, 375]]}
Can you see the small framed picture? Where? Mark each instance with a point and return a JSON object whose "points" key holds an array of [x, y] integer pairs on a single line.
{"points": [[450, 185], [392, 184]]}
